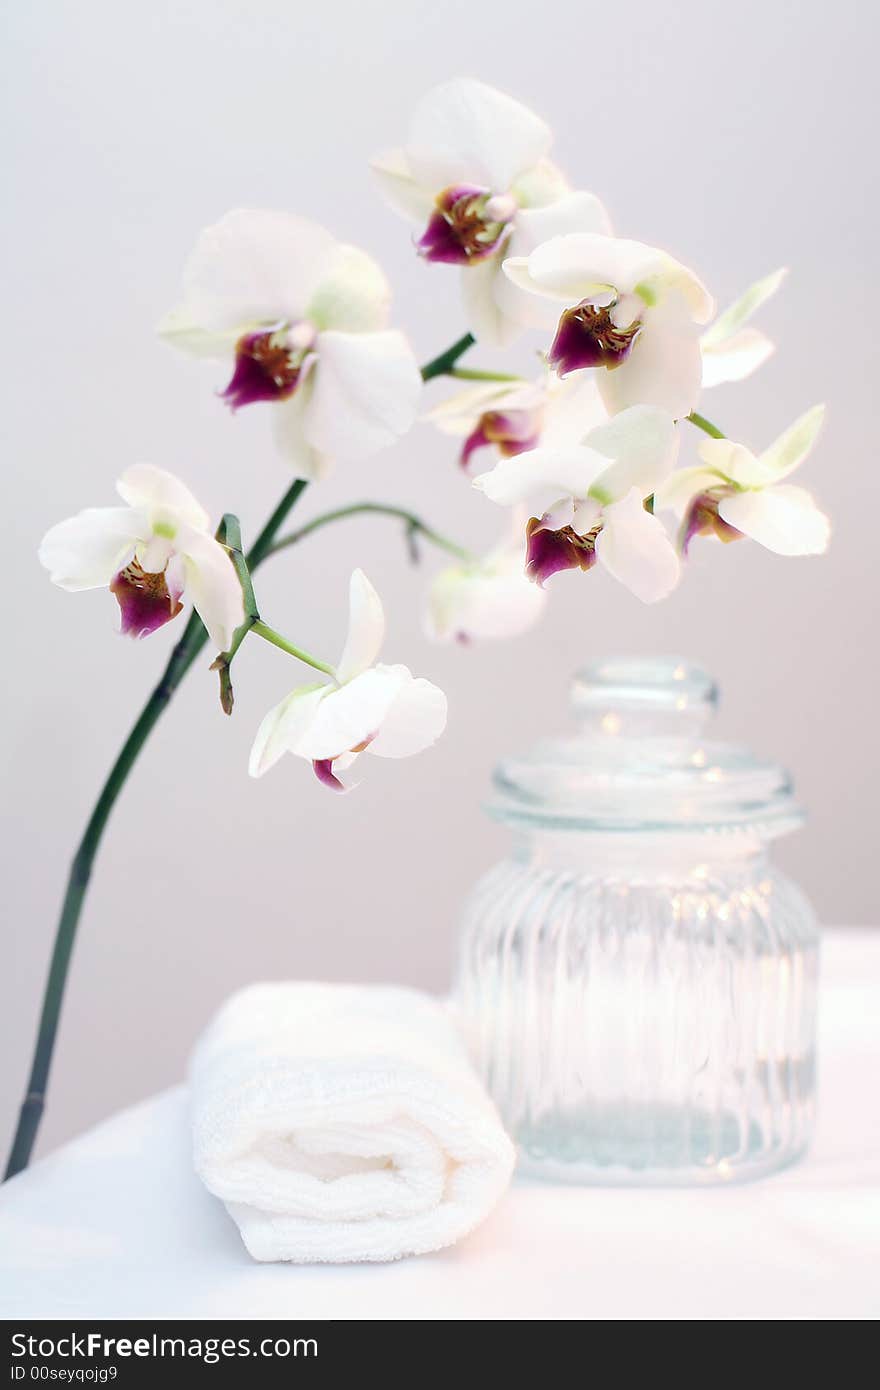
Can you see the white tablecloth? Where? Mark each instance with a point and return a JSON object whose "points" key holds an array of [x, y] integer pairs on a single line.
{"points": [[116, 1225]]}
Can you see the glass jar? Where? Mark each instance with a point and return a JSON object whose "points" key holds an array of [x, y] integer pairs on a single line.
{"points": [[637, 982]]}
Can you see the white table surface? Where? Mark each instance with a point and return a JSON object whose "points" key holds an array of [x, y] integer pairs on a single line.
{"points": [[116, 1225]]}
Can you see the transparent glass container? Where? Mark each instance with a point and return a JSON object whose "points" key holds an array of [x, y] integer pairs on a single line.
{"points": [[637, 982]]}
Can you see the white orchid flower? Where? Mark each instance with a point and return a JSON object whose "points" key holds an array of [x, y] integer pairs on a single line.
{"points": [[486, 598], [629, 309], [154, 554], [302, 320], [731, 348], [363, 708], [590, 498], [735, 493], [474, 174], [516, 416]]}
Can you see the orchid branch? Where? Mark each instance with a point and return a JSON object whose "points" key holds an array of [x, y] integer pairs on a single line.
{"points": [[443, 364], [261, 629], [476, 374], [413, 524], [705, 425]]}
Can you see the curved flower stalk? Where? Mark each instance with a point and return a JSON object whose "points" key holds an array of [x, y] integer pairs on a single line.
{"points": [[628, 310], [475, 175], [591, 497], [153, 554], [302, 321], [363, 708], [486, 598], [732, 349], [736, 493]]}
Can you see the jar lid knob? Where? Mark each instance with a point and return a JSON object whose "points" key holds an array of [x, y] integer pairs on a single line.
{"points": [[641, 697]]}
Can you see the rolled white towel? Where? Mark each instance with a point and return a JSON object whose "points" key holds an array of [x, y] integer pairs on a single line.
{"points": [[344, 1122]]}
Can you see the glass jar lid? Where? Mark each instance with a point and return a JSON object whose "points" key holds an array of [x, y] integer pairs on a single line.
{"points": [[640, 761]]}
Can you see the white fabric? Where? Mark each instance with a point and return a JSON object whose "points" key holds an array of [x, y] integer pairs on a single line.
{"points": [[344, 1122], [116, 1224]]}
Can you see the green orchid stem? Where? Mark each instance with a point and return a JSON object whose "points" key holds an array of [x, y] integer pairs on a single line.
{"points": [[261, 629], [473, 374], [706, 425], [181, 659], [414, 526], [444, 363]]}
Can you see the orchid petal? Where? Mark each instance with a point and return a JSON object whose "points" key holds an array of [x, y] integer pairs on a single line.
{"points": [[784, 519], [519, 307], [458, 414], [366, 628], [466, 131], [284, 726], [788, 452], [255, 266], [730, 322], [88, 550], [734, 463], [664, 367], [682, 486], [212, 586], [736, 357], [289, 425], [482, 293], [183, 331], [634, 547], [542, 473], [365, 393], [353, 294], [415, 719], [669, 276], [642, 442], [574, 408], [352, 715], [489, 598], [400, 188], [156, 490], [581, 265], [544, 183]]}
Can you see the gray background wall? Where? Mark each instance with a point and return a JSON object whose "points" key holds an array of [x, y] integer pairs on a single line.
{"points": [[740, 137]]}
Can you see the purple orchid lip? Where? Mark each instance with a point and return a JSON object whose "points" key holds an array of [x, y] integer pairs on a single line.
{"points": [[548, 552], [145, 601], [512, 431], [324, 766], [324, 772], [460, 231], [265, 370], [703, 520], [588, 337]]}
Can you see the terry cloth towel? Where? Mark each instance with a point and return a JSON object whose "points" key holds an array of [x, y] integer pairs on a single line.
{"points": [[344, 1122]]}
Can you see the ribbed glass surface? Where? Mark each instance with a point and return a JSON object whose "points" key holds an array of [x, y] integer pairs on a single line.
{"points": [[647, 1014]]}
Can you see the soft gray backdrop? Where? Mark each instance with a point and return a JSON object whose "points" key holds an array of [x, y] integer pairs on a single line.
{"points": [[740, 137]]}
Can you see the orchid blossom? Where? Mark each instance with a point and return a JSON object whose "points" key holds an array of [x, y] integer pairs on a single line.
{"points": [[154, 554], [486, 598], [474, 174], [364, 707], [627, 309], [514, 416], [732, 349], [591, 502], [735, 493], [302, 320]]}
